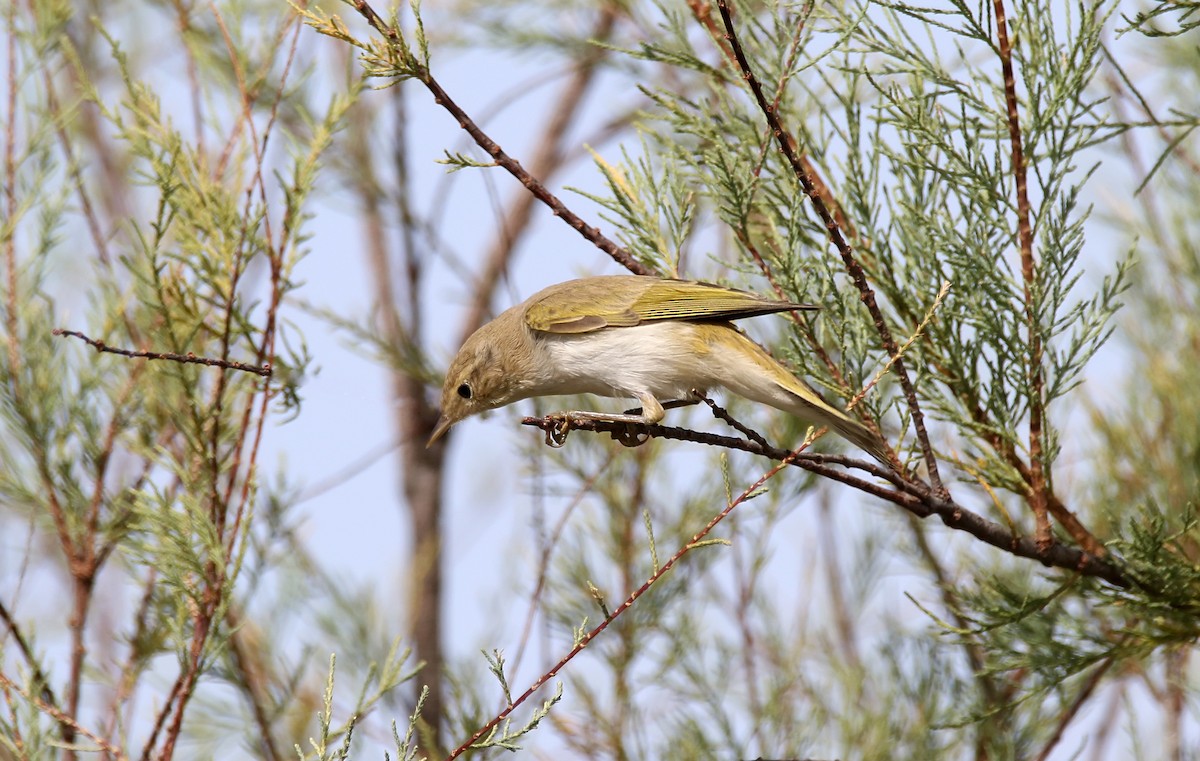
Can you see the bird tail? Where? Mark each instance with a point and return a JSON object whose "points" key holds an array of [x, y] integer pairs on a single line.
{"points": [[764, 380], [820, 413]]}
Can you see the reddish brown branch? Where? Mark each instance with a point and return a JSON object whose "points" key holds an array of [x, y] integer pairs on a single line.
{"points": [[161, 718], [202, 626], [592, 234], [702, 11], [83, 572], [835, 236], [264, 370], [1041, 500], [1037, 481]]}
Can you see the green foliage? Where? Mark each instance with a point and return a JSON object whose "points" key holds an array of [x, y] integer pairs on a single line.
{"points": [[390, 59]]}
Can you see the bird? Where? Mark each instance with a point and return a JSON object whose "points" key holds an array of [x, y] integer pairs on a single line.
{"points": [[633, 336]]}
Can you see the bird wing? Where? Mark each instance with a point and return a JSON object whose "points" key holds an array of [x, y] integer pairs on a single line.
{"points": [[581, 306]]}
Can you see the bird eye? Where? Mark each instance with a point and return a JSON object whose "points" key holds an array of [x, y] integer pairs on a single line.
{"points": [[465, 391]]}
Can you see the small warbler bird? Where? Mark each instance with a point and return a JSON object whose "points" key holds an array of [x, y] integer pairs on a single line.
{"points": [[632, 336]]}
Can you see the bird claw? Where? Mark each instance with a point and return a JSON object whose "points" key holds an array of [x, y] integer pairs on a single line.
{"points": [[633, 434], [556, 434]]}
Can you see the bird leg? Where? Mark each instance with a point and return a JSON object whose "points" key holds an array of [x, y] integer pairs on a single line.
{"points": [[671, 405], [651, 412]]}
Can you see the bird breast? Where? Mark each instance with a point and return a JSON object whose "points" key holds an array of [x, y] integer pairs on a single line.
{"points": [[665, 359]]}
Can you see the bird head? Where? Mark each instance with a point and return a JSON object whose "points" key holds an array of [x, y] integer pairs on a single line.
{"points": [[485, 374]]}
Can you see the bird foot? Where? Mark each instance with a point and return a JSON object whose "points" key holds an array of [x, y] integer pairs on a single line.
{"points": [[633, 435]]}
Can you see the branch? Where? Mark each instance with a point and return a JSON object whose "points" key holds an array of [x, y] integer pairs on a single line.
{"points": [[264, 370], [835, 236], [1040, 498], [548, 159], [915, 498], [702, 11], [1037, 484]]}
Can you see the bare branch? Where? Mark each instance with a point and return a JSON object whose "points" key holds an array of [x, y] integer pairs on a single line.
{"points": [[916, 498], [549, 159], [264, 370]]}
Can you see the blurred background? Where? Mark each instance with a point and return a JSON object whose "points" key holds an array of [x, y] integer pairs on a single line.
{"points": [[183, 547]]}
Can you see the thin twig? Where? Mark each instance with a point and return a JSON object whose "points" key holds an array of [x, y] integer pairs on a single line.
{"points": [[264, 370], [548, 159], [703, 13], [624, 606], [937, 302], [723, 414], [806, 331], [1085, 692], [512, 166], [835, 236], [39, 676]]}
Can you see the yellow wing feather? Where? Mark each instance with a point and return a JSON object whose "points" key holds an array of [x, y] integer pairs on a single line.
{"points": [[587, 304]]}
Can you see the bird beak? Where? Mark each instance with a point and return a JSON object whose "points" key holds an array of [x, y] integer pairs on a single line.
{"points": [[439, 430]]}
